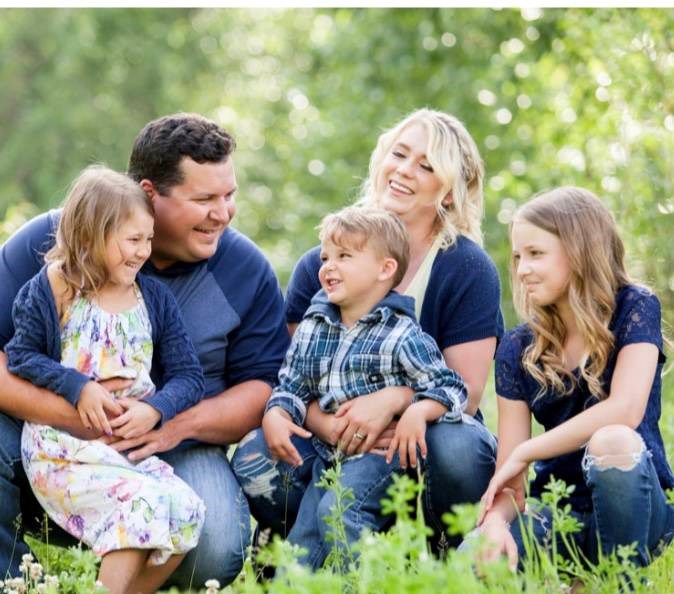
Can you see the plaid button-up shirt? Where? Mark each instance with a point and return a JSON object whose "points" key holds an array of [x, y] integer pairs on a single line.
{"points": [[331, 363]]}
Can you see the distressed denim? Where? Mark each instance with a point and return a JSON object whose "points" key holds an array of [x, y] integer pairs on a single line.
{"points": [[460, 463], [628, 506]]}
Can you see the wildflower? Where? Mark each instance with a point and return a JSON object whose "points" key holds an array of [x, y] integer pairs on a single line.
{"points": [[35, 571], [27, 558], [212, 586], [51, 580], [41, 588]]}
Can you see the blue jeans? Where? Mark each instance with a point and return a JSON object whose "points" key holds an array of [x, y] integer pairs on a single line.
{"points": [[628, 506], [460, 463], [11, 473], [226, 532], [368, 476]]}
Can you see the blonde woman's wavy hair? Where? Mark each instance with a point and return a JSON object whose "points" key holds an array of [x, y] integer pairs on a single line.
{"points": [[456, 161], [99, 201], [589, 236]]}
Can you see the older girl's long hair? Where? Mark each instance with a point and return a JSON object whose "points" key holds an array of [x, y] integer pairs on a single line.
{"points": [[99, 201], [596, 254], [456, 161]]}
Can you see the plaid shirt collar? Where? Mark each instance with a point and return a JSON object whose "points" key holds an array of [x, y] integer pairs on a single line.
{"points": [[393, 302]]}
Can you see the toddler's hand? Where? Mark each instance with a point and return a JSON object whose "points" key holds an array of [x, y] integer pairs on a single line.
{"points": [[278, 428], [138, 419], [94, 401], [410, 433]]}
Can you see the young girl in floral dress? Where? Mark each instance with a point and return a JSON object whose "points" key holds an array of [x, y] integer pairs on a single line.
{"points": [[87, 317]]}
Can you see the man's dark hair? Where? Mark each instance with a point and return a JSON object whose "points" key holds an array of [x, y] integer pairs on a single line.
{"points": [[161, 145]]}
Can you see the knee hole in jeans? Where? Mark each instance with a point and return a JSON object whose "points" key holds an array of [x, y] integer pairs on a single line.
{"points": [[614, 446]]}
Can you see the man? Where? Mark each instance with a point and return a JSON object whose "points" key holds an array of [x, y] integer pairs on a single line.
{"points": [[232, 306]]}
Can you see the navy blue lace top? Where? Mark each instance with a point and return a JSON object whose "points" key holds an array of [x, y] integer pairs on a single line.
{"points": [[636, 319]]}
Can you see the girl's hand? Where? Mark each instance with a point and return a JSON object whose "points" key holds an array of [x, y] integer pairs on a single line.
{"points": [[410, 433], [94, 401], [138, 419], [277, 428], [497, 541], [511, 469]]}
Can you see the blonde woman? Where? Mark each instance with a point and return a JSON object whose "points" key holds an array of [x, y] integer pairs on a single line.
{"points": [[586, 364], [428, 171]]}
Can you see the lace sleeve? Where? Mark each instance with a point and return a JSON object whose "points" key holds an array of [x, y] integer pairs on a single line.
{"points": [[641, 322], [507, 369]]}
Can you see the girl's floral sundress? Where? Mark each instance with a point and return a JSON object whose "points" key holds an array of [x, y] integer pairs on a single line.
{"points": [[86, 487]]}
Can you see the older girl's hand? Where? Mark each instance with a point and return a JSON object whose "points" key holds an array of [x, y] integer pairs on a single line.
{"points": [[511, 469], [498, 541]]}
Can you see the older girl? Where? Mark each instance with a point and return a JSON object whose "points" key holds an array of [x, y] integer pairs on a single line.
{"points": [[428, 171], [587, 364]]}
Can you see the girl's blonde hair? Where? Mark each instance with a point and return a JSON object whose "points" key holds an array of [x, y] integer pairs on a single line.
{"points": [[596, 254], [99, 201], [456, 161]]}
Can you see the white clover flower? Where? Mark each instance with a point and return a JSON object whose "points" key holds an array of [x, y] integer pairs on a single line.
{"points": [[41, 588], [35, 571], [212, 586], [27, 558]]}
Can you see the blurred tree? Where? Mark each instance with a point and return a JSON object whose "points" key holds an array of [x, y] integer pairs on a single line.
{"points": [[572, 96]]}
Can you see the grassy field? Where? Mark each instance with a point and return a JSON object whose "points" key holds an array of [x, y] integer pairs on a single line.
{"points": [[398, 561]]}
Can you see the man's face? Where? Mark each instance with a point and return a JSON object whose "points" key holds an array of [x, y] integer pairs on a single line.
{"points": [[191, 218]]}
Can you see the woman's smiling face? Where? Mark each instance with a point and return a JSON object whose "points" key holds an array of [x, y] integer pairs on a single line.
{"points": [[410, 188]]}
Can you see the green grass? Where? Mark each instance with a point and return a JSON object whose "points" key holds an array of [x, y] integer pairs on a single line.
{"points": [[398, 561]]}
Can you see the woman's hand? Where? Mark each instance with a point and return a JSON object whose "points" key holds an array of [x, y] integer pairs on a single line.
{"points": [[138, 419], [368, 416], [327, 427]]}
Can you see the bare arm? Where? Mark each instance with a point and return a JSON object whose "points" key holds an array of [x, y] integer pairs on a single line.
{"points": [[222, 419], [472, 360], [630, 387], [21, 399]]}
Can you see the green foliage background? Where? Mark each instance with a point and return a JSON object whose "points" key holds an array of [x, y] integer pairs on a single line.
{"points": [[559, 96]]}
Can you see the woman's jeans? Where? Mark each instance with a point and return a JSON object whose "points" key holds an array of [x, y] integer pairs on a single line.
{"points": [[628, 506], [460, 463]]}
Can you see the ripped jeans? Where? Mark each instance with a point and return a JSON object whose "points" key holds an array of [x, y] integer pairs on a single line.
{"points": [[460, 463], [628, 506]]}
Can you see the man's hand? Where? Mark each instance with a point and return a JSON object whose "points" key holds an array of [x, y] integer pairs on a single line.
{"points": [[146, 445], [277, 427], [138, 419]]}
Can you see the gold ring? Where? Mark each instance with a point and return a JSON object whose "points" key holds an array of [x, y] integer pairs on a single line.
{"points": [[359, 435]]}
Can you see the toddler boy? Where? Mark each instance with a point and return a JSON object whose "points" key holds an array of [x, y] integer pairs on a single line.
{"points": [[357, 337]]}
